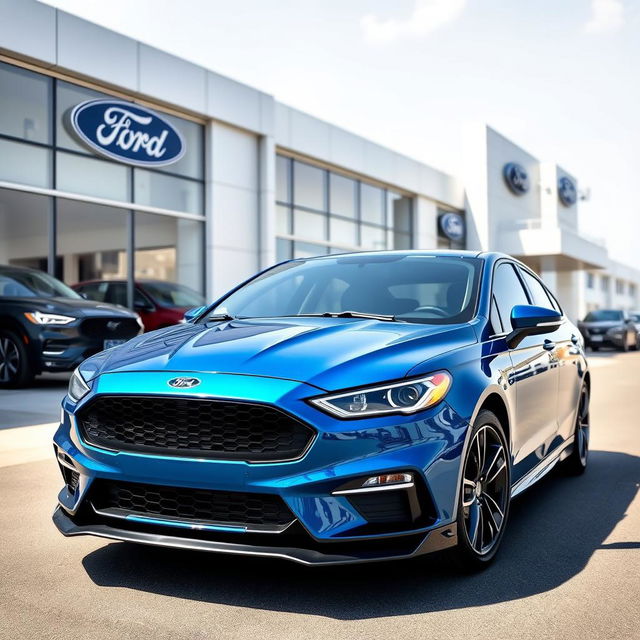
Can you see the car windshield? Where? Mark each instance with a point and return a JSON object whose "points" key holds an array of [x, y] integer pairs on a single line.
{"points": [[603, 315], [32, 284], [171, 294], [413, 288]]}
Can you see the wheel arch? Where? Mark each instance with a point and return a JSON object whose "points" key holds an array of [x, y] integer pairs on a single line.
{"points": [[494, 401]]}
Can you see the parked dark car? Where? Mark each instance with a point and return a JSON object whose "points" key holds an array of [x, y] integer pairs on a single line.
{"points": [[46, 326], [609, 328], [159, 303]]}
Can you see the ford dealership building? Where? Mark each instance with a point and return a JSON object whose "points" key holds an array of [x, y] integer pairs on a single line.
{"points": [[119, 160]]}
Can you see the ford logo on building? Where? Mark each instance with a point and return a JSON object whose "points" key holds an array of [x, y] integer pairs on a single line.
{"points": [[184, 383], [516, 177], [567, 191], [452, 225], [126, 132]]}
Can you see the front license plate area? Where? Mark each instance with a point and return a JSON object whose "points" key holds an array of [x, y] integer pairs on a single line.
{"points": [[596, 338]]}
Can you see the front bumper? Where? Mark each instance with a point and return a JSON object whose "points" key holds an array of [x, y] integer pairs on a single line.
{"points": [[327, 528]]}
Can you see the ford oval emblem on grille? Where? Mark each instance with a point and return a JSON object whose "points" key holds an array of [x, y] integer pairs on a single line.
{"points": [[184, 383]]}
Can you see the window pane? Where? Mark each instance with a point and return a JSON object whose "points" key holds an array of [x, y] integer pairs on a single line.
{"points": [[283, 179], [343, 231], [25, 104], [308, 187], [308, 250], [24, 228], [284, 249], [540, 297], [283, 220], [373, 237], [342, 195], [91, 176], [399, 212], [508, 293], [169, 249], [309, 225], [25, 163], [91, 242], [192, 162], [168, 192], [371, 204], [68, 96]]}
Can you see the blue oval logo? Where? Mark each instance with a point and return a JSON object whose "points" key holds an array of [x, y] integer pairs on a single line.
{"points": [[184, 383], [452, 225], [567, 191], [516, 177], [127, 132]]}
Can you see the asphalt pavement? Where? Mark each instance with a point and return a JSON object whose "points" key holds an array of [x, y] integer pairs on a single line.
{"points": [[569, 566]]}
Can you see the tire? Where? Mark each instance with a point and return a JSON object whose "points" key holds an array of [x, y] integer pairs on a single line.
{"points": [[15, 368], [484, 495], [595, 348], [624, 347], [576, 463]]}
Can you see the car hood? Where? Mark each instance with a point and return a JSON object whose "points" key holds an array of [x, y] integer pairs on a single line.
{"points": [[329, 353], [601, 324], [79, 307]]}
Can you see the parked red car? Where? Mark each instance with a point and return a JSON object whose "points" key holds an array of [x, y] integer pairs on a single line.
{"points": [[159, 303]]}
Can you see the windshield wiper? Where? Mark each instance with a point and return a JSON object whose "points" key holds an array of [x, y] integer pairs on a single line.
{"points": [[348, 314], [221, 317]]}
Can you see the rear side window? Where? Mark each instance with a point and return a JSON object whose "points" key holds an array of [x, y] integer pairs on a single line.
{"points": [[539, 295], [93, 290], [507, 292]]}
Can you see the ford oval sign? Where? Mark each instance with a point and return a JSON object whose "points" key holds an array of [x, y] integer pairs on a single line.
{"points": [[452, 226], [515, 175], [567, 191], [184, 383], [127, 132]]}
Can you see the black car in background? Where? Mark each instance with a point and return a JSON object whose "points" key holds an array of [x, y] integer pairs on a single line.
{"points": [[609, 328], [47, 326]]}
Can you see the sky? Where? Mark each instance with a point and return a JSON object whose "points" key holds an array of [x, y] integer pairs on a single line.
{"points": [[560, 78]]}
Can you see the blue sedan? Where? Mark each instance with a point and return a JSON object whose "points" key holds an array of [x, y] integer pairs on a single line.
{"points": [[339, 409]]}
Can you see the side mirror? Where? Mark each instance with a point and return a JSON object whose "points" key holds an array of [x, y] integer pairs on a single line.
{"points": [[193, 313], [528, 320]]}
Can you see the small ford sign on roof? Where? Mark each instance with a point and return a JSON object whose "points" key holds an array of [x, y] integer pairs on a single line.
{"points": [[127, 132]]}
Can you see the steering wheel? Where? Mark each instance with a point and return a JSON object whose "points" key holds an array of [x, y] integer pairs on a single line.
{"points": [[431, 309]]}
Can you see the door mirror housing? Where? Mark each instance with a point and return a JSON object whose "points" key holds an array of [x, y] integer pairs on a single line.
{"points": [[529, 320], [193, 313]]}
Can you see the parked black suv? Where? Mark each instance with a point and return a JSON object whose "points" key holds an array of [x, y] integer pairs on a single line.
{"points": [[609, 328], [47, 326]]}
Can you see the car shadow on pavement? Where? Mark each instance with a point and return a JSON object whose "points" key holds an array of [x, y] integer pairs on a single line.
{"points": [[553, 531]]}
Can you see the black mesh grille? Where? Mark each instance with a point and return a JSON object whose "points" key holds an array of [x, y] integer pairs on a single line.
{"points": [[110, 328], [383, 506], [194, 427], [202, 505]]}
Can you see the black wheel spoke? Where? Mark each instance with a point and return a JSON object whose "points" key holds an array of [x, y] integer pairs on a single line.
{"points": [[485, 489]]}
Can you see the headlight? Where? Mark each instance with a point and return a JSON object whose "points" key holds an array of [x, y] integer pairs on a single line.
{"points": [[400, 397], [78, 388], [37, 317]]}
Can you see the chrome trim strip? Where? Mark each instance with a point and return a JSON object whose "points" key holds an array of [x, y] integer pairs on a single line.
{"points": [[388, 487]]}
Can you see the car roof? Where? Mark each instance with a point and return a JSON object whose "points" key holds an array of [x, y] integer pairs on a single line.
{"points": [[10, 267]]}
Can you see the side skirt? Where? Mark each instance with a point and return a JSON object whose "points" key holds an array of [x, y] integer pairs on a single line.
{"points": [[542, 468]]}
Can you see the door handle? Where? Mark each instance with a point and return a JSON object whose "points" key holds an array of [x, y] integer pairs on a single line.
{"points": [[574, 338], [548, 345]]}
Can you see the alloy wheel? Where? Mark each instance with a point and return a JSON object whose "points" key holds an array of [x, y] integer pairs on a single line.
{"points": [[485, 489], [582, 427], [9, 360]]}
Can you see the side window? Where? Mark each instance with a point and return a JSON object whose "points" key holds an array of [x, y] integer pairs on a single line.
{"points": [[117, 293], [538, 292], [93, 290], [507, 292], [495, 317]]}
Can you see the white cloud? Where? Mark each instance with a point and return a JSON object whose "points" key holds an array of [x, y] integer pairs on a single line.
{"points": [[427, 16], [606, 15]]}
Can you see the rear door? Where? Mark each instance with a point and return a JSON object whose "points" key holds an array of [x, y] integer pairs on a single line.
{"points": [[534, 374]]}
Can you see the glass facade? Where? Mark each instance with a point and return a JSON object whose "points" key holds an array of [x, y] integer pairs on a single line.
{"points": [[321, 211], [78, 239]]}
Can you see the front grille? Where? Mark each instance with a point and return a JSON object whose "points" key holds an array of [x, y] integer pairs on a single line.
{"points": [[110, 328], [383, 506], [202, 505], [194, 427]]}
